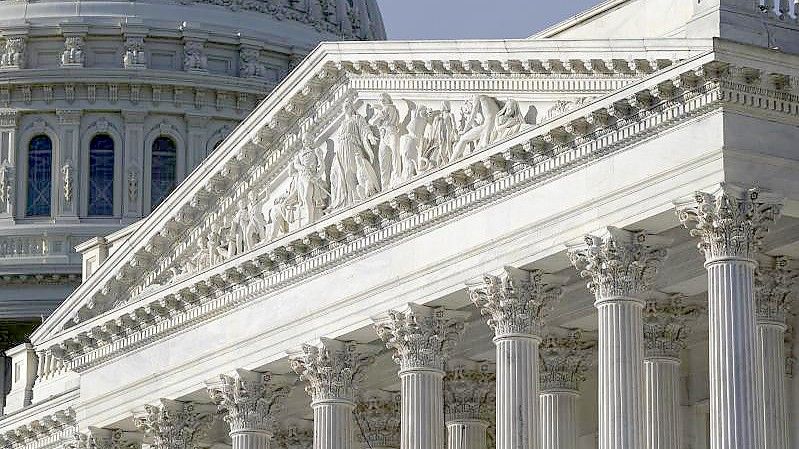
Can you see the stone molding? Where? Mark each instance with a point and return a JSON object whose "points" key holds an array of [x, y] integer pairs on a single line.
{"points": [[667, 325], [332, 369], [421, 337], [249, 400], [620, 263], [54, 430], [469, 391], [774, 281], [731, 222], [565, 360], [174, 424], [517, 301], [525, 165]]}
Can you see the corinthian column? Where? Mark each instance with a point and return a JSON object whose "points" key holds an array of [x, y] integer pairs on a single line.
{"points": [[516, 302], [621, 266], [174, 424], [772, 287], [422, 338], [332, 370], [564, 362], [468, 393], [730, 226], [378, 418], [665, 330], [250, 403]]}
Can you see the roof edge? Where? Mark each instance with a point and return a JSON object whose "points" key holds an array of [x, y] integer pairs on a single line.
{"points": [[577, 19]]}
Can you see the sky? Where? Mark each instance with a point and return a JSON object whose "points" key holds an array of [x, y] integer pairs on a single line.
{"points": [[474, 19]]}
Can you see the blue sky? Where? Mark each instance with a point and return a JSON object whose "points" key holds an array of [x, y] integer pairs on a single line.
{"points": [[474, 19]]}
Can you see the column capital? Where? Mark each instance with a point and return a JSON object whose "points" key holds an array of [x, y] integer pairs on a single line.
{"points": [[422, 337], [175, 424], [295, 435], [774, 280], [730, 222], [9, 118], [620, 263], [378, 414], [249, 400], [100, 438], [564, 361], [666, 325], [469, 389], [517, 301], [333, 369]]}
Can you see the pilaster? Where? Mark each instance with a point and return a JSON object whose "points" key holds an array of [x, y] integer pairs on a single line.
{"points": [[175, 424], [730, 224], [469, 394], [67, 194], [9, 123], [422, 339], [332, 369], [250, 403], [197, 138], [773, 283], [134, 163], [621, 265], [564, 363], [517, 302]]}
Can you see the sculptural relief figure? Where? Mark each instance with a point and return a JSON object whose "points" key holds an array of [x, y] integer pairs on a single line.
{"points": [[256, 224], [352, 173], [277, 216], [238, 225], [66, 173], [6, 187], [134, 52], [214, 249], [250, 63], [388, 123], [73, 51], [441, 137], [478, 128], [509, 121], [411, 144], [307, 191], [194, 56], [13, 52]]}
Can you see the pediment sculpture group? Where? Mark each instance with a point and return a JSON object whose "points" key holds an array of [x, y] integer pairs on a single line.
{"points": [[368, 153]]}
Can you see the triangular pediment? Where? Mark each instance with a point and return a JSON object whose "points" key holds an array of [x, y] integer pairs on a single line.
{"points": [[354, 120]]}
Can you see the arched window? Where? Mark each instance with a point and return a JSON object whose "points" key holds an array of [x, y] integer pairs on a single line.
{"points": [[101, 176], [40, 171], [164, 170]]}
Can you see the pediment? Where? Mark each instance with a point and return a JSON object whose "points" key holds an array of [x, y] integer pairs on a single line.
{"points": [[352, 121]]}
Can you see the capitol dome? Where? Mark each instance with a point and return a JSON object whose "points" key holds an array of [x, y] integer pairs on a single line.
{"points": [[105, 106]]}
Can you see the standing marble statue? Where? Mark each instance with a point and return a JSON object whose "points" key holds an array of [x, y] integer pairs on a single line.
{"points": [[442, 136], [388, 122], [255, 227], [236, 231], [307, 192], [352, 174], [478, 128], [412, 143]]}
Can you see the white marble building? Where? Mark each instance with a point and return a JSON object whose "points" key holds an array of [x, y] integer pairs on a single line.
{"points": [[416, 245], [106, 105]]}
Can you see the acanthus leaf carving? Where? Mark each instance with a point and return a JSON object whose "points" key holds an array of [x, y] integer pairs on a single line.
{"points": [[332, 369], [774, 281], [469, 390], [378, 415], [667, 325], [250, 400], [565, 360], [175, 424]]}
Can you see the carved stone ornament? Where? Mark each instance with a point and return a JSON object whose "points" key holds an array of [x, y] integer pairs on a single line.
{"points": [[13, 53], [194, 58], [104, 439], [773, 285], [667, 325], [469, 390], [73, 51], [66, 178], [133, 185], [565, 361], [517, 301], [378, 416], [134, 53], [729, 223], [421, 337], [249, 400], [619, 264], [333, 369], [7, 176], [294, 436], [174, 424]]}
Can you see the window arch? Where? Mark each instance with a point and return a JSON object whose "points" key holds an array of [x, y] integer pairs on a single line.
{"points": [[163, 170], [101, 176], [40, 177]]}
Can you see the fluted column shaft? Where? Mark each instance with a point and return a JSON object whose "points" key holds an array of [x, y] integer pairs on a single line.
{"points": [[661, 381], [332, 424], [621, 362], [517, 390], [771, 354], [467, 434], [422, 410], [559, 419], [250, 439], [733, 392]]}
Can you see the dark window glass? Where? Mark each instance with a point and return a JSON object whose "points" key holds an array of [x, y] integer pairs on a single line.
{"points": [[101, 176], [40, 165], [164, 170]]}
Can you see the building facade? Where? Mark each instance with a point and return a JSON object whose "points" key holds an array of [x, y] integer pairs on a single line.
{"points": [[105, 106], [585, 239]]}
